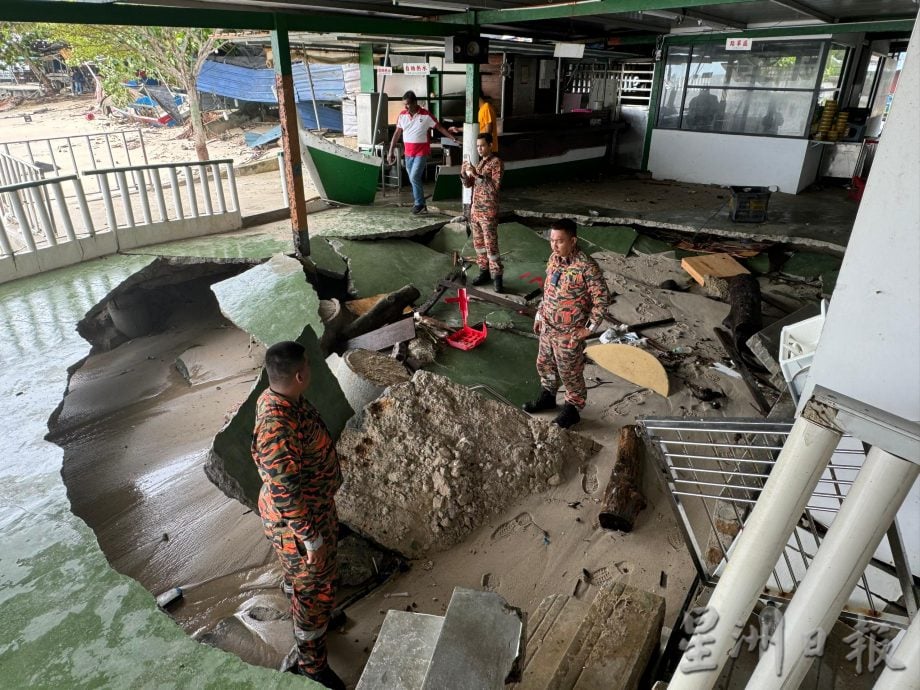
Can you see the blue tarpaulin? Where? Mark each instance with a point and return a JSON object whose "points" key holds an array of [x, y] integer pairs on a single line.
{"points": [[329, 118], [258, 85]]}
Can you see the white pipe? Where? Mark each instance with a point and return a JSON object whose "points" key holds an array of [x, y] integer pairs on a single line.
{"points": [[107, 201], [219, 188], [158, 193], [23, 220], [866, 513], [45, 223], [176, 194], [190, 189], [125, 193], [141, 184], [64, 211], [906, 655], [470, 132], [84, 208], [231, 181], [205, 190], [756, 550], [5, 240]]}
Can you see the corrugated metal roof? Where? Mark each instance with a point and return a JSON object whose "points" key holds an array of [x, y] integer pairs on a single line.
{"points": [[258, 85]]}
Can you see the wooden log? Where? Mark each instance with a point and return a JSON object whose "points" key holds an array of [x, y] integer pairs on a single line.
{"points": [[623, 499], [745, 318], [385, 311]]}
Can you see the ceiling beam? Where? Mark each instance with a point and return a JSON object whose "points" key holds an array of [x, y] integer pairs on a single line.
{"points": [[115, 14], [881, 25], [577, 8], [713, 18], [806, 10]]}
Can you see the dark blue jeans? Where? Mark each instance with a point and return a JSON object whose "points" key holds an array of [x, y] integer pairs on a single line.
{"points": [[415, 166]]}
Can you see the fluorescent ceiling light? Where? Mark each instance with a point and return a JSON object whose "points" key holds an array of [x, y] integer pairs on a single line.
{"points": [[432, 5]]}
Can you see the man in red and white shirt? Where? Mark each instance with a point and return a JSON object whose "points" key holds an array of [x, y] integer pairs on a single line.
{"points": [[414, 126]]}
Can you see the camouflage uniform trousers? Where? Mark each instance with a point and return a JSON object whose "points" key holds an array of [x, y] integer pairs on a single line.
{"points": [[562, 357], [485, 242], [314, 587]]}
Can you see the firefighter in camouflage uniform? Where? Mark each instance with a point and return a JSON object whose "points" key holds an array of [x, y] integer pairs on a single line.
{"points": [[296, 460], [575, 299], [485, 178]]}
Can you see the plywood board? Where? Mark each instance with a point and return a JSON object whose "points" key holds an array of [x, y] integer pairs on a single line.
{"points": [[712, 266], [631, 363]]}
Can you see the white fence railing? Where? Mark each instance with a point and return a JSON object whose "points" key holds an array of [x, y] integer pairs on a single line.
{"points": [[49, 223], [69, 155]]}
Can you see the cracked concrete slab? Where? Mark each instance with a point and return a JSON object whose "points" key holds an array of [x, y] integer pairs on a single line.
{"points": [[242, 245], [383, 266], [606, 238], [433, 460], [374, 222], [326, 260], [272, 301]]}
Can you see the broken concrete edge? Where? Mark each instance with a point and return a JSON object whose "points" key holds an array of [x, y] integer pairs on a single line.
{"points": [[56, 413], [93, 326], [230, 466], [586, 219]]}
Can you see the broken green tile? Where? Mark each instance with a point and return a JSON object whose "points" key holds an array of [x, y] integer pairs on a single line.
{"points": [[520, 244], [373, 222], [237, 246], [758, 264], [649, 245], [810, 265], [382, 266], [610, 238], [506, 362], [230, 464], [272, 301], [327, 261], [450, 239]]}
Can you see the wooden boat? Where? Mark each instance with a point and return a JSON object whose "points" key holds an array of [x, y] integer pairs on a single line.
{"points": [[339, 173]]}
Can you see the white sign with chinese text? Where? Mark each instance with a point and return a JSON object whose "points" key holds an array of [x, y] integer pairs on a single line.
{"points": [[738, 43], [380, 69], [416, 68]]}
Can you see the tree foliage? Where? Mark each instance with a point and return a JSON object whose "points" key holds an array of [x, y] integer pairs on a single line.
{"points": [[21, 43], [172, 55]]}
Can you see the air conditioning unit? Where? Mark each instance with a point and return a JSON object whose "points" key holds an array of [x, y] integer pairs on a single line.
{"points": [[466, 49]]}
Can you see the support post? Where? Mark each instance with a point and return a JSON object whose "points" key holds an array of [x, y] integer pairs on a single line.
{"points": [[796, 473], [871, 504], [290, 135], [471, 123]]}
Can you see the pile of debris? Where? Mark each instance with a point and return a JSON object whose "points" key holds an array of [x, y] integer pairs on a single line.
{"points": [[425, 468]]}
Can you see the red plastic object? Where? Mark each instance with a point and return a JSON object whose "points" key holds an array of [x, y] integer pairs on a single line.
{"points": [[466, 338]]}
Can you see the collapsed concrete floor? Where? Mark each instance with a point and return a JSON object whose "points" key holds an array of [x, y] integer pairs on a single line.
{"points": [[535, 546]]}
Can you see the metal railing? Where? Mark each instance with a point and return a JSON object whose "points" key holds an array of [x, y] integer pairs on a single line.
{"points": [[69, 155], [715, 471], [53, 211], [15, 171], [32, 206], [204, 176]]}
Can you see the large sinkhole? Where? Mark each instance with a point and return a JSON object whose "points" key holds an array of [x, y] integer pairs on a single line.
{"points": [[165, 372]]}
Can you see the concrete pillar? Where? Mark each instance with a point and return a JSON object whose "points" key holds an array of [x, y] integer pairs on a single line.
{"points": [[366, 65]]}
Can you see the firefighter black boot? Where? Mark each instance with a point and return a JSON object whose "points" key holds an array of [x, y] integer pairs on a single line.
{"points": [[545, 401], [567, 417], [499, 285], [483, 277]]}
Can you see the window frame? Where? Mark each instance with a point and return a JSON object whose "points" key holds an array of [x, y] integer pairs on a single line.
{"points": [[824, 50]]}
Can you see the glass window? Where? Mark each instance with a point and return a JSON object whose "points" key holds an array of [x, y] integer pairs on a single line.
{"points": [[769, 90], [672, 88]]}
